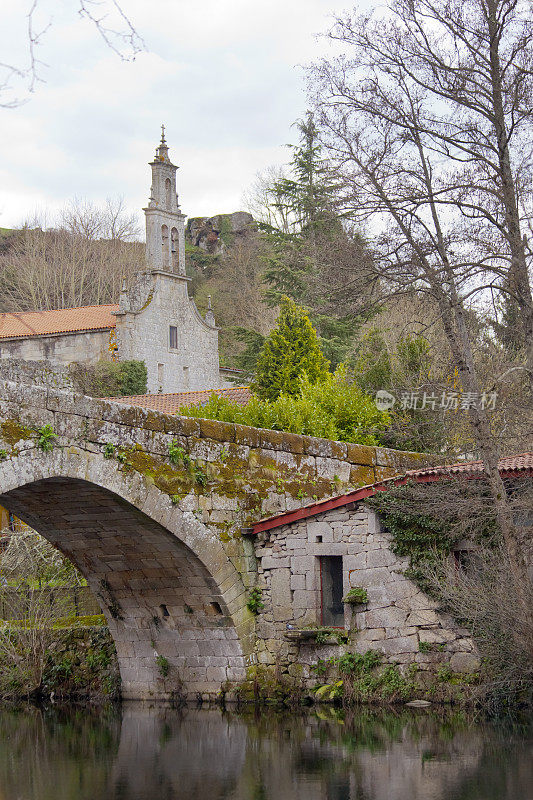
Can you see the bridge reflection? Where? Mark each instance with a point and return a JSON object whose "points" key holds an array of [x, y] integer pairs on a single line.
{"points": [[139, 752]]}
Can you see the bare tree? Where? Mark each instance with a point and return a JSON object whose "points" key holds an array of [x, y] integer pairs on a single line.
{"points": [[28, 563], [80, 262], [264, 204], [405, 140], [462, 72], [112, 221], [111, 23]]}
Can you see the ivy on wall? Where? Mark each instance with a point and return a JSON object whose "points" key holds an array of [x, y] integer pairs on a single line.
{"points": [[425, 522]]}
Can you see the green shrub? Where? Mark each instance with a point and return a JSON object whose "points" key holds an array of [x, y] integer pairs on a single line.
{"points": [[330, 409], [366, 679], [109, 450], [176, 453], [200, 477], [132, 377]]}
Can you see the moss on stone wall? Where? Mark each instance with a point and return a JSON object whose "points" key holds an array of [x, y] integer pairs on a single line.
{"points": [[13, 432]]}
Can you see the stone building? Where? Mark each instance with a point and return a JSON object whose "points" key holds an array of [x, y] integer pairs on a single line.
{"points": [[155, 320], [310, 558]]}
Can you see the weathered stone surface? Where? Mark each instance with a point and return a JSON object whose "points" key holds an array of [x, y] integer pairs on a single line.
{"points": [[465, 662], [361, 454], [390, 617]]}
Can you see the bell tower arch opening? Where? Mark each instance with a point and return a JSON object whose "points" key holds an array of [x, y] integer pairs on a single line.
{"points": [[164, 247], [156, 593], [174, 249]]}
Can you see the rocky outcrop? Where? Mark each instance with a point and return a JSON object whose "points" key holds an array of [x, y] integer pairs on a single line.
{"points": [[215, 234]]}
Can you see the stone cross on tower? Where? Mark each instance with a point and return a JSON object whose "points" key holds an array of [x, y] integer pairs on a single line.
{"points": [[165, 224]]}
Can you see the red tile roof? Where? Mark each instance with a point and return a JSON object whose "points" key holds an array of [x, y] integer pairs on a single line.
{"points": [[171, 403], [510, 466], [14, 325]]}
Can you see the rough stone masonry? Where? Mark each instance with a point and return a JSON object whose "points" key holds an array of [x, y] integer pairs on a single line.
{"points": [[151, 508]]}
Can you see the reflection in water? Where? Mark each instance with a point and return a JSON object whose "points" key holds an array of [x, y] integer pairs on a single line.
{"points": [[142, 753]]}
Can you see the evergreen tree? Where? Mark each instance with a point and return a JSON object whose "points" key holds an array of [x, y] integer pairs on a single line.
{"points": [[310, 251], [291, 350]]}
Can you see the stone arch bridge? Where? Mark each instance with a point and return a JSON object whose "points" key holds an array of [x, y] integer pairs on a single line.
{"points": [[151, 508]]}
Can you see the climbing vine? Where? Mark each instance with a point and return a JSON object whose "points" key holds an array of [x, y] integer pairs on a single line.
{"points": [[425, 522]]}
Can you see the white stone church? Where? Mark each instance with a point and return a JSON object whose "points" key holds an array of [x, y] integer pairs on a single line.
{"points": [[155, 320]]}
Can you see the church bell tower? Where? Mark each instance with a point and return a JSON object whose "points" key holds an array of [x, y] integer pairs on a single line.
{"points": [[165, 224]]}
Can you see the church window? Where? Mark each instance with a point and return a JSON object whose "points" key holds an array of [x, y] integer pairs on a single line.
{"points": [[168, 192], [331, 591], [160, 374], [173, 337]]}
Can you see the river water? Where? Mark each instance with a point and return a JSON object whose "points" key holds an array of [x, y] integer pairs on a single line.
{"points": [[136, 752]]}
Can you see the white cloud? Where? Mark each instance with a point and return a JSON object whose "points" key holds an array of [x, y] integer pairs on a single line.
{"points": [[222, 75]]}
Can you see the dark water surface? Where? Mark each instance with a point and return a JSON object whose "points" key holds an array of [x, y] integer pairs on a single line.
{"points": [[158, 753]]}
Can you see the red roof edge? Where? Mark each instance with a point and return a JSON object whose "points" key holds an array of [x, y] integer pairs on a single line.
{"points": [[357, 495]]}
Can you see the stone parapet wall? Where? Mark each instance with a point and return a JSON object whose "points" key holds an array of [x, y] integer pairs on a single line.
{"points": [[36, 373], [249, 473]]}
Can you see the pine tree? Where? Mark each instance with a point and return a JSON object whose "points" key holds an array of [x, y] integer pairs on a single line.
{"points": [[291, 350], [310, 250]]}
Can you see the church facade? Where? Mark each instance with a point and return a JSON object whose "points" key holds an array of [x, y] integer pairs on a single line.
{"points": [[155, 320]]}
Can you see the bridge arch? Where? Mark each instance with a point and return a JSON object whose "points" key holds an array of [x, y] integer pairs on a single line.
{"points": [[166, 585]]}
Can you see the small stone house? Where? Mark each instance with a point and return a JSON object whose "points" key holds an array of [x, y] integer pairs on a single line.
{"points": [[310, 558], [155, 320]]}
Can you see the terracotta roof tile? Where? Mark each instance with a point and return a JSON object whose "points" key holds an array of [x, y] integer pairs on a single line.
{"points": [[62, 320], [513, 463], [171, 403], [509, 466]]}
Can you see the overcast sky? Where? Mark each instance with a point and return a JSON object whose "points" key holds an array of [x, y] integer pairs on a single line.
{"points": [[224, 76]]}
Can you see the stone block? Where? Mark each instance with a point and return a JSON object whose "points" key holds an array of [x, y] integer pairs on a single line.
{"points": [[380, 558], [271, 440], [298, 582], [361, 476], [390, 617], [371, 635], [465, 662], [360, 454], [182, 426], [219, 431], [319, 529], [377, 576], [423, 618], [280, 592], [402, 644], [275, 563], [245, 435], [325, 448]]}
